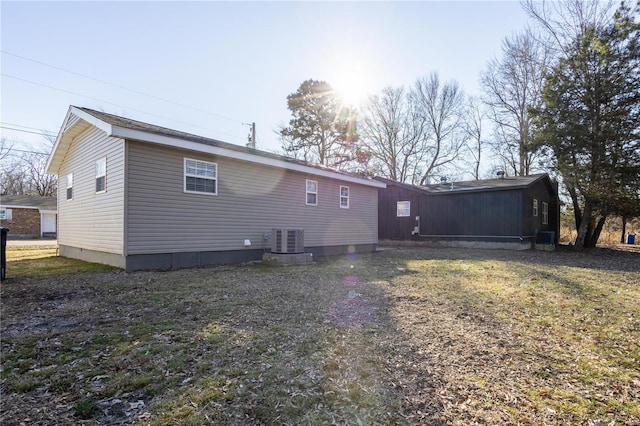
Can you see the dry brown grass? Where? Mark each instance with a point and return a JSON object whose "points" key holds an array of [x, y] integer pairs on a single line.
{"points": [[403, 336]]}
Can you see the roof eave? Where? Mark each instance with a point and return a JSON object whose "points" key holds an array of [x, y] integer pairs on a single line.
{"points": [[63, 141], [126, 133]]}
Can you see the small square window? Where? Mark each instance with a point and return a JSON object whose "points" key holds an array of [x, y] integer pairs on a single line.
{"points": [[101, 175], [403, 208], [5, 214], [70, 186], [344, 197], [312, 192], [535, 207]]}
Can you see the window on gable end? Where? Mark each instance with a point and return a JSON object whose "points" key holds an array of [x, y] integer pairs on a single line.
{"points": [[70, 186], [101, 175]]}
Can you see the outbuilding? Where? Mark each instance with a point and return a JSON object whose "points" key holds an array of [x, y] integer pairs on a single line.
{"points": [[140, 196], [510, 212]]}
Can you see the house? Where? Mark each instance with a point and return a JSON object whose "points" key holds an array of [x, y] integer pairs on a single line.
{"points": [[28, 216], [140, 196], [510, 212]]}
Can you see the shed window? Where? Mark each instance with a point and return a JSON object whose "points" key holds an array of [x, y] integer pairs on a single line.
{"points": [[403, 208], [101, 175], [344, 197], [5, 214], [535, 207], [545, 213], [200, 177], [312, 192], [70, 186]]}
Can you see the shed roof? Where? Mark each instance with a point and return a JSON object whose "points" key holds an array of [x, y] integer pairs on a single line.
{"points": [[79, 119], [506, 183], [28, 201]]}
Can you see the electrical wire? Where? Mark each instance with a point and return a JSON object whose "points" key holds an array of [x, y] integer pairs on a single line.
{"points": [[118, 105], [40, 131], [121, 87]]}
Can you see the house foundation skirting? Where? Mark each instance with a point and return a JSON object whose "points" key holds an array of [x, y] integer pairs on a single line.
{"points": [[459, 243], [136, 262]]}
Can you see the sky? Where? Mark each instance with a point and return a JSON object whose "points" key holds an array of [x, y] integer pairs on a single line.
{"points": [[210, 67]]}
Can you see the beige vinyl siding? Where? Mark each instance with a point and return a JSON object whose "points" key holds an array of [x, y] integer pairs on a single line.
{"points": [[92, 221], [252, 199]]}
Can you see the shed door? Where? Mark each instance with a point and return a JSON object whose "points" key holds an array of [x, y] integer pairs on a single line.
{"points": [[48, 222]]}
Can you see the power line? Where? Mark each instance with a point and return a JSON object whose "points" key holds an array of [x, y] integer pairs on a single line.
{"points": [[120, 86], [27, 127], [114, 104], [26, 131]]}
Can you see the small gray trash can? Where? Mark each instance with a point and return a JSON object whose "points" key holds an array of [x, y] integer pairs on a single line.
{"points": [[3, 253]]}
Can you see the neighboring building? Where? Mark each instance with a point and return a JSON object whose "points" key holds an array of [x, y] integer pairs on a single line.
{"points": [[139, 196], [506, 212], [28, 216]]}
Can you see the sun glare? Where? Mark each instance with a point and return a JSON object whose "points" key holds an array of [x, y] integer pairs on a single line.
{"points": [[352, 86], [352, 82]]}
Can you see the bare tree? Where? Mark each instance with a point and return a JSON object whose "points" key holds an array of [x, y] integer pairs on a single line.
{"points": [[391, 130], [512, 86], [474, 126], [23, 172], [442, 107], [566, 20]]}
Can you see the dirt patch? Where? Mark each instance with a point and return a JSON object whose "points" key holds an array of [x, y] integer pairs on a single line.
{"points": [[404, 336]]}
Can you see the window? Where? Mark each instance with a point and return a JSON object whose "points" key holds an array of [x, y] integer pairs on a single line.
{"points": [[344, 197], [312, 192], [535, 207], [70, 186], [5, 214], [200, 177], [404, 208], [545, 213], [101, 175]]}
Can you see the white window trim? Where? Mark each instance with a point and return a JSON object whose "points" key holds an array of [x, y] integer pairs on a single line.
{"points": [[69, 186], [535, 207], [307, 192], [102, 175], [346, 197], [185, 175], [407, 208], [6, 214], [545, 213]]}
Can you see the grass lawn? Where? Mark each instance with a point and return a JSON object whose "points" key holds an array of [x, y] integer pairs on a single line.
{"points": [[402, 336]]}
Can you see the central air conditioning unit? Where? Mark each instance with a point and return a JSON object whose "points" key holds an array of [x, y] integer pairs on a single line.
{"points": [[288, 241]]}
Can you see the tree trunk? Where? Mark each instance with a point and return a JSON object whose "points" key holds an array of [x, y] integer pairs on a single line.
{"points": [[624, 229], [585, 229], [593, 241]]}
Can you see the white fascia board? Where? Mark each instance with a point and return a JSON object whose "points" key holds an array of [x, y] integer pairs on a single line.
{"points": [[105, 127], [6, 206], [125, 133], [59, 139]]}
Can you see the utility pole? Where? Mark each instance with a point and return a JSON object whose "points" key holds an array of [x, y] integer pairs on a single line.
{"points": [[252, 136]]}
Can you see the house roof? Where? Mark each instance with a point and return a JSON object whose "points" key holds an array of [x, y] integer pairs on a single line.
{"points": [[28, 202], [79, 119], [507, 183]]}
